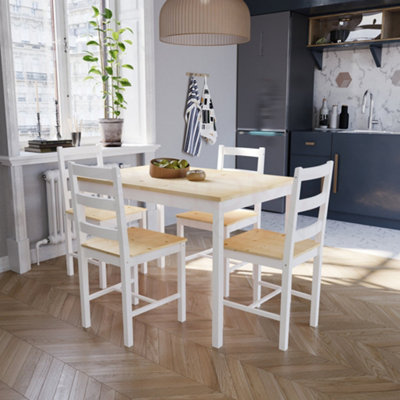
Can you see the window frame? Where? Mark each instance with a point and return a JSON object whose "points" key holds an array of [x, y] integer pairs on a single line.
{"points": [[146, 78]]}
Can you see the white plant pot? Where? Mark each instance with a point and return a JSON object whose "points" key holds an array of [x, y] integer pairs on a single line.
{"points": [[111, 131]]}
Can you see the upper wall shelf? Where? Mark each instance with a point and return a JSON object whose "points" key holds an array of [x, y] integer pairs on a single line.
{"points": [[366, 29]]}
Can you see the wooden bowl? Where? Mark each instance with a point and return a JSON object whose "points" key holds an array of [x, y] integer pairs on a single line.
{"points": [[167, 173]]}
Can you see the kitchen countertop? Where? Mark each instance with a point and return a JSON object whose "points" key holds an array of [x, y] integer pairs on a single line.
{"points": [[357, 131]]}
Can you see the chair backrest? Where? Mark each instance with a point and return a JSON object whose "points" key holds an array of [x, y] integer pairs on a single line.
{"points": [[241, 151], [72, 154], [247, 152], [105, 193], [315, 230]]}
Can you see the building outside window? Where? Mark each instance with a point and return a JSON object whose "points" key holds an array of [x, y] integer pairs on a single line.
{"points": [[49, 40]]}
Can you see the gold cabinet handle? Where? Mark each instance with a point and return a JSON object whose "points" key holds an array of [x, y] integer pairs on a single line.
{"points": [[335, 173], [309, 143]]}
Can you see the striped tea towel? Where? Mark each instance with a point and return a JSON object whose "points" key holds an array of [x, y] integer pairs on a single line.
{"points": [[208, 128], [192, 141]]}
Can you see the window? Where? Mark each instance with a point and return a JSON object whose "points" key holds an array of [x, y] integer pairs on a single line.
{"points": [[49, 40]]}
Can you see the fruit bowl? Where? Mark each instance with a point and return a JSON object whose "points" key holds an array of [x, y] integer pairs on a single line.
{"points": [[168, 168]]}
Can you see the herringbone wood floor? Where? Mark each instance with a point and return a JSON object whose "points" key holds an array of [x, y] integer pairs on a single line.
{"points": [[354, 354]]}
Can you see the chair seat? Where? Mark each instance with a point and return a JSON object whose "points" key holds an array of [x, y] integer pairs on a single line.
{"points": [[105, 215], [230, 217], [265, 243], [140, 241]]}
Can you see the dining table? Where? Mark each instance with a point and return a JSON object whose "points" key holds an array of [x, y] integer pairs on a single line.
{"points": [[221, 191]]}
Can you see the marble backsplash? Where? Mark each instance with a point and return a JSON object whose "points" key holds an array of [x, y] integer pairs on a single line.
{"points": [[384, 82]]}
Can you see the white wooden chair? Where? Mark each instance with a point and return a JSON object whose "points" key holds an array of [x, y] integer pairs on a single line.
{"points": [[233, 220], [120, 246], [285, 251], [98, 217]]}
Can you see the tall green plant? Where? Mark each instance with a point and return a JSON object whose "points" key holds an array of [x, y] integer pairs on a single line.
{"points": [[107, 65]]}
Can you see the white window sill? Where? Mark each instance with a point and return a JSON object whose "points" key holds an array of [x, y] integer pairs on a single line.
{"points": [[27, 158]]}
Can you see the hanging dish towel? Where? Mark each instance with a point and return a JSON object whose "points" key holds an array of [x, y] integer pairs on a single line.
{"points": [[208, 128], [192, 141]]}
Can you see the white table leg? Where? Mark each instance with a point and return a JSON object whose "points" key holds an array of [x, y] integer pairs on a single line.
{"points": [[218, 279]]}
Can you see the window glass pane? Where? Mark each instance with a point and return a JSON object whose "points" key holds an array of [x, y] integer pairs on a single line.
{"points": [[34, 63], [86, 101]]}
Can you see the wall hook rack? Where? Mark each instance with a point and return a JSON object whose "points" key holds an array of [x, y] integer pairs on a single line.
{"points": [[197, 74]]}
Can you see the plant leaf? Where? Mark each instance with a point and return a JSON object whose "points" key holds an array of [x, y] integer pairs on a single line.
{"points": [[114, 54], [115, 35], [128, 66], [119, 97], [129, 29], [128, 41], [93, 23], [92, 43], [96, 11], [94, 70], [124, 82], [121, 46], [104, 78], [90, 58], [109, 70], [88, 77], [107, 13]]}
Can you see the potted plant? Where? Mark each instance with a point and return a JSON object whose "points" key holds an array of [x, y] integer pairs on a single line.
{"points": [[106, 66]]}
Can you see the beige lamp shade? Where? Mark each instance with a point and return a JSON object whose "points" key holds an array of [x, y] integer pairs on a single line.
{"points": [[204, 22]]}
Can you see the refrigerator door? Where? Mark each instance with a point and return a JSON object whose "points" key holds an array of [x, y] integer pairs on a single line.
{"points": [[276, 157], [263, 74]]}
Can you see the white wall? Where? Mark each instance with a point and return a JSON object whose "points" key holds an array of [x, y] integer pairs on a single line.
{"points": [[171, 64], [384, 83]]}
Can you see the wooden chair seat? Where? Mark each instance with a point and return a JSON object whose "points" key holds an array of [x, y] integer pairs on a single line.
{"points": [[141, 241], [99, 217], [230, 217], [118, 245], [267, 244], [105, 215], [284, 252], [233, 220]]}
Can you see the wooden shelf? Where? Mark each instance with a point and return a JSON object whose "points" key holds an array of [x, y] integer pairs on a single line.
{"points": [[362, 29]]}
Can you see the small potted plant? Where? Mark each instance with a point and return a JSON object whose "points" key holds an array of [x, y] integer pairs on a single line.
{"points": [[107, 68]]}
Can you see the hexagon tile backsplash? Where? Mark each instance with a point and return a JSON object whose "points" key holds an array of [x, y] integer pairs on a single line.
{"points": [[347, 74]]}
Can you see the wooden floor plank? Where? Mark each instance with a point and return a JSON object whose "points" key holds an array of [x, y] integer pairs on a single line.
{"points": [[354, 354]]}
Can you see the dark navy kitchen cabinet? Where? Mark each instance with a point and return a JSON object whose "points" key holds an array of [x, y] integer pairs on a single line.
{"points": [[366, 182], [309, 149], [366, 178]]}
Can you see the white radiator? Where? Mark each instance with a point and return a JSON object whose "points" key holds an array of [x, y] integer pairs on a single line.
{"points": [[55, 208]]}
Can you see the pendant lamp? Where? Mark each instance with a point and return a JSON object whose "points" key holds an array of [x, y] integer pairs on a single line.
{"points": [[204, 22]]}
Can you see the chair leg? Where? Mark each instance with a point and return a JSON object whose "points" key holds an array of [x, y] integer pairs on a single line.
{"points": [[84, 290], [180, 228], [182, 284], [227, 276], [161, 228], [256, 280], [127, 304], [143, 224], [69, 251], [315, 291], [226, 268], [135, 284], [285, 308], [102, 275]]}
